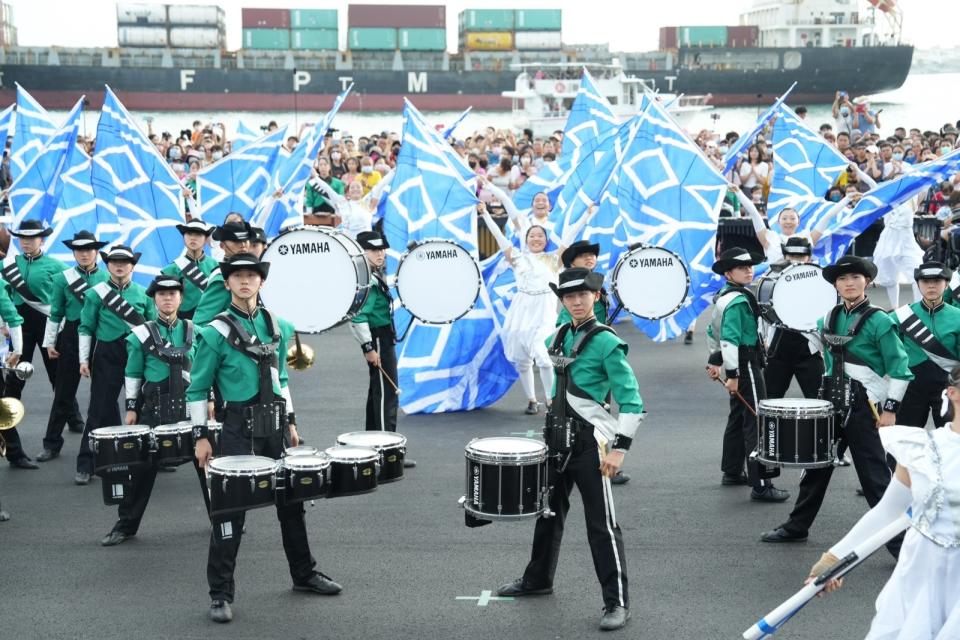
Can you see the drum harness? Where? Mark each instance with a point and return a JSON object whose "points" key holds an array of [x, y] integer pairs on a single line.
{"points": [[192, 272], [170, 406], [757, 353], [561, 432], [12, 274], [913, 328], [839, 388], [117, 305]]}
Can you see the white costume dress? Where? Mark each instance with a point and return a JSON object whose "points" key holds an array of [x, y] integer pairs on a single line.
{"points": [[532, 316], [897, 253], [921, 600], [356, 216]]}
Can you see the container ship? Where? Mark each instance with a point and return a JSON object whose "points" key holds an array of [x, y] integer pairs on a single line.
{"points": [[175, 58]]}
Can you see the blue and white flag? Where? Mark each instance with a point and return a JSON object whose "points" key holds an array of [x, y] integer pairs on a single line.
{"points": [[35, 194], [238, 181], [739, 147], [451, 367], [245, 135], [456, 123], [131, 180], [6, 125], [33, 127]]}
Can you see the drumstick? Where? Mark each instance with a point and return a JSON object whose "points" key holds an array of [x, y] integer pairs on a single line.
{"points": [[873, 409], [742, 399], [392, 383]]}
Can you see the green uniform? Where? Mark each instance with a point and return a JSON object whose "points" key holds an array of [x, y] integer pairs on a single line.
{"points": [[146, 366], [191, 293], [313, 199], [375, 311], [63, 304], [38, 273], [734, 325], [8, 312], [103, 324], [943, 322], [215, 299]]}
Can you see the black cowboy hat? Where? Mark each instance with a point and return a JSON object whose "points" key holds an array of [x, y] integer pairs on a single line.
{"points": [[578, 248], [849, 264], [736, 257], [32, 229], [164, 282], [120, 253], [240, 261], [258, 235], [372, 241], [577, 279], [83, 240], [196, 226], [232, 231], [932, 271]]}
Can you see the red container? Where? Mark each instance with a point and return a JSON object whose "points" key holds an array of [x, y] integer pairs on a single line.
{"points": [[743, 37], [265, 18], [668, 38], [401, 16]]}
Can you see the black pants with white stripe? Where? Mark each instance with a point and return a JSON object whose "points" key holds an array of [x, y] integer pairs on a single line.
{"points": [[381, 396], [924, 396], [740, 434], [64, 408], [603, 533], [107, 362]]}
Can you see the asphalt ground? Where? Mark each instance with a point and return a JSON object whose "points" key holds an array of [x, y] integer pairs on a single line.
{"points": [[406, 561]]}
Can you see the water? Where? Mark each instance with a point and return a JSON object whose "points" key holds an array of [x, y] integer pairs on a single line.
{"points": [[924, 101]]}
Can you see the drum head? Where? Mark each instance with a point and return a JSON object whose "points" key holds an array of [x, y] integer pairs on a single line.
{"points": [[651, 282], [242, 465], [324, 260], [120, 431], [344, 453], [176, 427], [506, 448], [301, 450], [801, 297], [795, 404], [373, 439], [438, 281], [310, 463]]}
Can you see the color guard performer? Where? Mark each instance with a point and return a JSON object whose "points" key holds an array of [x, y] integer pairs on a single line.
{"points": [[736, 353], [863, 340], [234, 238], [111, 310], [195, 266], [156, 376], [591, 363], [243, 352]]}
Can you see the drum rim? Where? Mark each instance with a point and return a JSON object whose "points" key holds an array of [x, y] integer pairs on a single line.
{"points": [[314, 449], [298, 463], [373, 456], [120, 430], [376, 447], [361, 291], [476, 266], [616, 289], [526, 457], [824, 410], [184, 426], [265, 468]]}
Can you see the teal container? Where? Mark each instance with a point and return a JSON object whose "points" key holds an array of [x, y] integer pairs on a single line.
{"points": [[416, 39], [486, 20], [313, 19], [537, 19], [372, 39], [314, 39], [266, 39], [702, 36]]}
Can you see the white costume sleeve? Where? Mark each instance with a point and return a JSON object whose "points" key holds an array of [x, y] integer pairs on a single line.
{"points": [[50, 333], [758, 224], [895, 501], [285, 392], [198, 412], [380, 186], [335, 198], [506, 201], [84, 344], [16, 339]]}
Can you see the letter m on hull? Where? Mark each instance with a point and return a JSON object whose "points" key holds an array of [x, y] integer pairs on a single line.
{"points": [[417, 82]]}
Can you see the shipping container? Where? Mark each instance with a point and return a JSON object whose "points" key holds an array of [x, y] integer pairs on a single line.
{"points": [[745, 37], [537, 20], [266, 39], [372, 39], [668, 38], [195, 15], [142, 36], [265, 18], [314, 39], [487, 41], [313, 19], [196, 37], [486, 20], [536, 40], [141, 14], [399, 16], [422, 39], [702, 36]]}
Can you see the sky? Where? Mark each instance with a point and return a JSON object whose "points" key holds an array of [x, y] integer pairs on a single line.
{"points": [[92, 23]]}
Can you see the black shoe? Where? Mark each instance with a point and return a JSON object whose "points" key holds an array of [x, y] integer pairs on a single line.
{"points": [[861, 493], [82, 477], [114, 538], [24, 463], [321, 584], [688, 337], [75, 428], [620, 478], [769, 493], [533, 408], [614, 618], [782, 535], [47, 454], [841, 462], [4, 515], [521, 587], [728, 480], [165, 469], [409, 464], [220, 611]]}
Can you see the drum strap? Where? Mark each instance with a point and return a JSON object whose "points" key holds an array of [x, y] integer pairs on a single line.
{"points": [[192, 272], [561, 363], [76, 285], [914, 328], [264, 355], [838, 351], [12, 274], [117, 305]]}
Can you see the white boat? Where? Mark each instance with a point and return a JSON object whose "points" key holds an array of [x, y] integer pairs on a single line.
{"points": [[544, 94]]}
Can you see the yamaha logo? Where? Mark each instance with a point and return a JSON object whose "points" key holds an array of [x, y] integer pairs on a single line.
{"points": [[303, 248], [634, 263], [283, 250]]}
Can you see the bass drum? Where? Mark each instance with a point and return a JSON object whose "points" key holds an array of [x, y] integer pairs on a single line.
{"points": [[330, 262], [795, 296], [433, 266], [651, 282]]}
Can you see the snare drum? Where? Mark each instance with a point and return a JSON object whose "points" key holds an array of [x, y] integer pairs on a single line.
{"points": [[506, 478], [796, 432], [353, 470], [651, 282], [239, 483], [795, 296], [174, 443], [119, 449], [335, 297], [391, 446], [304, 478], [438, 265], [300, 450]]}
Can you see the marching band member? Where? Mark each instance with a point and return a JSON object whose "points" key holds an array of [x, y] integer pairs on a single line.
{"points": [[874, 372], [920, 600], [234, 238], [158, 365], [10, 445], [258, 409], [583, 254], [194, 266], [789, 221], [932, 345], [736, 353], [591, 364], [258, 241], [111, 309], [532, 315]]}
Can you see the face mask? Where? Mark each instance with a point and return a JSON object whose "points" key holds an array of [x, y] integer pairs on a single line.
{"points": [[174, 153], [217, 155], [898, 156], [367, 169], [473, 164], [722, 149], [944, 149], [844, 112], [335, 156], [524, 161]]}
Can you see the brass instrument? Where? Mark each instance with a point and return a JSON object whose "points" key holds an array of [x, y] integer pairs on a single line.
{"points": [[22, 371], [11, 413], [300, 357]]}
